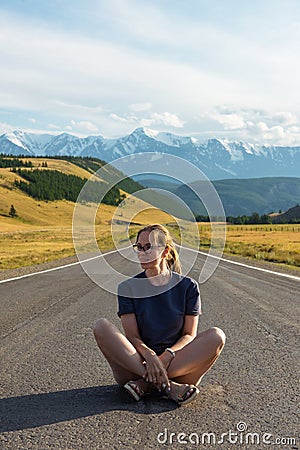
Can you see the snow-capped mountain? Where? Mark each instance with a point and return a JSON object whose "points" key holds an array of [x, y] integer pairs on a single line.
{"points": [[17, 142], [217, 158]]}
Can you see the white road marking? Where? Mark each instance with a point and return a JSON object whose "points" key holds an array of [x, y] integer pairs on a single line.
{"points": [[293, 277], [55, 268], [286, 275]]}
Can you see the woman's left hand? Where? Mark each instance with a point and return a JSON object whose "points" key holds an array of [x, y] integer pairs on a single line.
{"points": [[155, 371], [159, 377]]}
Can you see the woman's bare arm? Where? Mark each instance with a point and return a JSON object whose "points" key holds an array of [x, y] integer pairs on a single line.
{"points": [[155, 371], [132, 333], [189, 333]]}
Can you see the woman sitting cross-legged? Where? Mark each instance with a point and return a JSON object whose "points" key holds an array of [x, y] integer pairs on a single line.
{"points": [[159, 309]]}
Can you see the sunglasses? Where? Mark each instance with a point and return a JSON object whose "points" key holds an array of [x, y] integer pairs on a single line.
{"points": [[147, 248]]}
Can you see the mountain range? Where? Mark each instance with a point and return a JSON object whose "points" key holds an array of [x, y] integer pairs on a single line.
{"points": [[218, 159]]}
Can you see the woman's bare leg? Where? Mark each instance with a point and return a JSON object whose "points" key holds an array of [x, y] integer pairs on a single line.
{"points": [[125, 361], [196, 358], [190, 364]]}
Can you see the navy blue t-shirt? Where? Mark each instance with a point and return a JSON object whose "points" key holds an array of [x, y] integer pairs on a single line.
{"points": [[159, 310]]}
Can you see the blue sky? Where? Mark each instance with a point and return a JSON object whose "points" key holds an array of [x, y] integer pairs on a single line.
{"points": [[218, 68]]}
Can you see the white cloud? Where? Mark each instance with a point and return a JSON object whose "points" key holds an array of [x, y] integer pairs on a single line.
{"points": [[138, 107], [32, 120], [79, 108], [127, 119], [33, 57], [253, 125], [84, 126], [165, 118], [285, 118], [257, 128], [202, 38], [190, 64], [51, 126], [263, 131], [138, 20], [294, 130], [229, 121], [292, 136], [275, 133]]}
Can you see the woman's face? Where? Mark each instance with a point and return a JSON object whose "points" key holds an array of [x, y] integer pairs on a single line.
{"points": [[155, 256]]}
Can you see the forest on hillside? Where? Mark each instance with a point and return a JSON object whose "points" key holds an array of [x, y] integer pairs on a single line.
{"points": [[6, 162], [53, 185], [90, 164], [290, 217], [110, 174]]}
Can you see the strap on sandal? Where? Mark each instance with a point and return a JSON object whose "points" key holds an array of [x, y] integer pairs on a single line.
{"points": [[186, 396], [183, 398], [134, 390]]}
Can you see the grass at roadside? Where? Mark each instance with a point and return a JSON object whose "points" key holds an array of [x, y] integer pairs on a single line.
{"points": [[23, 244], [273, 243], [27, 248]]}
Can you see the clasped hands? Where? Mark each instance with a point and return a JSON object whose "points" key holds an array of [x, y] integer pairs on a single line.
{"points": [[156, 370]]}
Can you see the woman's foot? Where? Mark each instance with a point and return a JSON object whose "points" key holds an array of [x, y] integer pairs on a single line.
{"points": [[138, 388], [181, 393]]}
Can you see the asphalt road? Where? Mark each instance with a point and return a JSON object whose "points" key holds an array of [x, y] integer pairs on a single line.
{"points": [[57, 391]]}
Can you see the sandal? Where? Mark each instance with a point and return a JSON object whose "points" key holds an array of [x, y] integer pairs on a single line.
{"points": [[135, 390], [187, 395]]}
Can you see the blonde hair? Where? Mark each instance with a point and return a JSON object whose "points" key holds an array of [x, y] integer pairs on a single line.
{"points": [[163, 237]]}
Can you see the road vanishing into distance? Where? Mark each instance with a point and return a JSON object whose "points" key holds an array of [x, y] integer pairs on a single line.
{"points": [[57, 391]]}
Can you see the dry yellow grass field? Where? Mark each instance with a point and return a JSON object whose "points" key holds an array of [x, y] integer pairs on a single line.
{"points": [[274, 243], [28, 245], [42, 231]]}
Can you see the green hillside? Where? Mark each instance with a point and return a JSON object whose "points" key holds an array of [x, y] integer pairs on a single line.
{"points": [[110, 173], [262, 195], [57, 183], [53, 185], [240, 196], [290, 216]]}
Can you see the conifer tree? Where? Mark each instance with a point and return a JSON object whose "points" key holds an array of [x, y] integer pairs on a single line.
{"points": [[12, 211]]}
